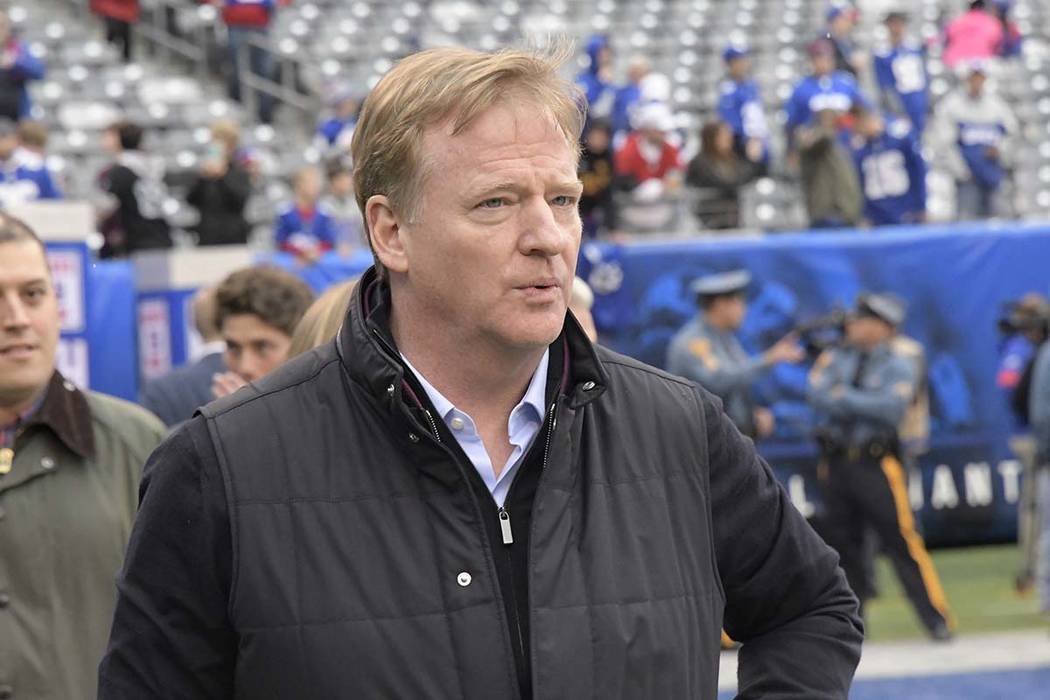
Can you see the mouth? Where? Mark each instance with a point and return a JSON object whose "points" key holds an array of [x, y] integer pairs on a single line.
{"points": [[543, 289], [18, 351]]}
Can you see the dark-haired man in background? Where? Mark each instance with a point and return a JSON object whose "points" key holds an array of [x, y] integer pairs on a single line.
{"points": [[135, 181], [257, 310]]}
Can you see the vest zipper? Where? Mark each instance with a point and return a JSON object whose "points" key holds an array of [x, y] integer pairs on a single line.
{"points": [[504, 526], [550, 431]]}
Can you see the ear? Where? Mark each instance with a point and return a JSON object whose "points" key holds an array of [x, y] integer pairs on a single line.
{"points": [[385, 230]]}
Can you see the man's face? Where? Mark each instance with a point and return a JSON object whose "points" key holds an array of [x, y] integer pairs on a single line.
{"points": [[896, 27], [729, 311], [867, 332], [308, 187], [111, 141], [739, 67], [870, 125], [253, 347], [8, 144], [493, 249], [29, 322], [598, 140], [823, 64], [975, 83], [342, 185]]}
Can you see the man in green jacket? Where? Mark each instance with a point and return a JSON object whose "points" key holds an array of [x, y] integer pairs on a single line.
{"points": [[70, 462]]}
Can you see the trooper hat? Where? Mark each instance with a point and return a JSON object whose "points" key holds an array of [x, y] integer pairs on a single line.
{"points": [[886, 307], [722, 283]]}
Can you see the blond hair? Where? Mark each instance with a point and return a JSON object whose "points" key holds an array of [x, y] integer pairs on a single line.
{"points": [[449, 83], [321, 321]]}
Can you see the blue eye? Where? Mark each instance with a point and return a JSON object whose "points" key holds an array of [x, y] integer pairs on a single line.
{"points": [[564, 200], [493, 203]]}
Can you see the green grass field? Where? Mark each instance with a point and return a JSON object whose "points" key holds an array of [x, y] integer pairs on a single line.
{"points": [[979, 584]]}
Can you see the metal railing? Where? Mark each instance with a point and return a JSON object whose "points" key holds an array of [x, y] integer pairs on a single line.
{"points": [[200, 48]]}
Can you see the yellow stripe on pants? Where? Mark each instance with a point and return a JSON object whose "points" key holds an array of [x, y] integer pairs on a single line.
{"points": [[906, 523]]}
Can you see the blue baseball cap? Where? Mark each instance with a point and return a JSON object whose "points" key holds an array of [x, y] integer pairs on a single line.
{"points": [[735, 51], [836, 10]]}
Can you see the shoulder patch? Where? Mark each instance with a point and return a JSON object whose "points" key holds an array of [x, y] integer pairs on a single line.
{"points": [[701, 348]]}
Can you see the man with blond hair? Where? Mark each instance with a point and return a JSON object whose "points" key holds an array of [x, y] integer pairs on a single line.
{"points": [[460, 496]]}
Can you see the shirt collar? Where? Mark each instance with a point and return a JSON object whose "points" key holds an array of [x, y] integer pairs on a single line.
{"points": [[535, 395], [66, 412]]}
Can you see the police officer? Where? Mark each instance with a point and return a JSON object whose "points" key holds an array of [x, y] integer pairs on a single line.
{"points": [[861, 392], [707, 351]]}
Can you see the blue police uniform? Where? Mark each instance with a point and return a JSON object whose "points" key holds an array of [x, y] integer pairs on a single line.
{"points": [[860, 398], [892, 174], [900, 72], [715, 359]]}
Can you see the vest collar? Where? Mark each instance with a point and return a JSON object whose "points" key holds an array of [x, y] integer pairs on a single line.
{"points": [[368, 351]]}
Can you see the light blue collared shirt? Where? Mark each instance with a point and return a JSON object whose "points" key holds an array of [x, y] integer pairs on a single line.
{"points": [[524, 424]]}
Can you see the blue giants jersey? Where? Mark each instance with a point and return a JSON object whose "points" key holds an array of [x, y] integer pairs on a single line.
{"points": [[892, 174], [838, 91], [740, 106], [901, 74]]}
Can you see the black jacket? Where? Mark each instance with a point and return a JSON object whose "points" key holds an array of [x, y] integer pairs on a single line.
{"points": [[174, 397], [221, 202], [319, 535]]}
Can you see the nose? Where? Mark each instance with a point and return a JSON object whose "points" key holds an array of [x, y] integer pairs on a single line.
{"points": [[249, 367], [13, 313], [543, 230]]}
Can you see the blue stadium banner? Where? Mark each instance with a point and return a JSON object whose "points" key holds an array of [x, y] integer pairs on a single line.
{"points": [[955, 281]]}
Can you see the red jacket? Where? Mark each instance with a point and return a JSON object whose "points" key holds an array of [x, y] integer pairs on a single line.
{"points": [[124, 10], [629, 161]]}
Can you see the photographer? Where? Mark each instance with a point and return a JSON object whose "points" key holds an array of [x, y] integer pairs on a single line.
{"points": [[1024, 328]]}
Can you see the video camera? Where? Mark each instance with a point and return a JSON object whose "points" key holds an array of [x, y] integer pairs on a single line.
{"points": [[818, 334], [1029, 315]]}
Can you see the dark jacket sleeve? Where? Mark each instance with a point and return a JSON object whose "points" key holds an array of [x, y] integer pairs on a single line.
{"points": [[171, 634], [787, 600]]}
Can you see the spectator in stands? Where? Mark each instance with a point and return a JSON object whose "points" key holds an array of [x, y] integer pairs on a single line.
{"points": [[825, 89], [335, 132], [829, 179], [596, 80], [597, 204], [341, 204], [70, 461], [629, 95], [135, 182], [648, 164], [721, 173], [973, 135], [842, 19], [248, 34], [976, 35], [174, 397], [891, 169], [740, 105], [257, 310], [1012, 38], [900, 71], [322, 320], [18, 67], [221, 190], [1039, 412], [118, 15], [24, 176], [306, 229], [707, 351]]}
